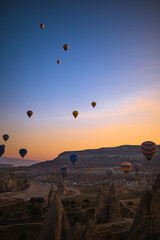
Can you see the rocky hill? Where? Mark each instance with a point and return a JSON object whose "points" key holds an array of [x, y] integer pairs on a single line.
{"points": [[103, 157]]}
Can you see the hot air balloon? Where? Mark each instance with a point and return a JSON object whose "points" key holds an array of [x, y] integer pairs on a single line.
{"points": [[2, 149], [73, 158], [148, 149], [22, 152], [58, 61], [5, 137], [137, 167], [75, 113], [66, 47], [109, 172], [29, 113], [93, 104], [64, 170], [41, 26], [126, 167]]}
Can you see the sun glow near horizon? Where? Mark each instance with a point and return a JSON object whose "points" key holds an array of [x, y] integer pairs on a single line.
{"points": [[129, 122]]}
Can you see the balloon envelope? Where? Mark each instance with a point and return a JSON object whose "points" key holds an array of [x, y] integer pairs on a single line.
{"points": [[58, 61], [5, 137], [75, 113], [65, 47], [29, 113], [148, 149], [64, 170], [41, 26], [22, 152], [73, 158], [2, 149], [93, 104], [137, 167], [109, 172], [126, 167]]}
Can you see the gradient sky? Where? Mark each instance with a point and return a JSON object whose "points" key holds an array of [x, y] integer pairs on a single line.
{"points": [[113, 59]]}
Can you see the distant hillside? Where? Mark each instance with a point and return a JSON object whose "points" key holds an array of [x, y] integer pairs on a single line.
{"points": [[16, 162], [103, 157]]}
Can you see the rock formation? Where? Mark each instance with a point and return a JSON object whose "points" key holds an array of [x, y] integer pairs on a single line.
{"points": [[107, 207], [12, 184], [100, 207], [88, 232], [125, 211], [91, 233], [51, 194], [61, 188], [56, 225], [113, 206], [78, 231], [146, 225]]}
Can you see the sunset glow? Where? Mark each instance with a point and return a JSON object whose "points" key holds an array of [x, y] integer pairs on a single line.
{"points": [[112, 59]]}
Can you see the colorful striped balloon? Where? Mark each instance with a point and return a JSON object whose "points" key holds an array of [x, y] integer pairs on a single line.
{"points": [[126, 167], [148, 149], [137, 167]]}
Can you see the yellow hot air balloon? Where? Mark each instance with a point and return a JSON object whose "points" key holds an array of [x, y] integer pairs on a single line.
{"points": [[93, 104], [41, 26], [65, 47], [126, 167], [75, 113], [58, 61]]}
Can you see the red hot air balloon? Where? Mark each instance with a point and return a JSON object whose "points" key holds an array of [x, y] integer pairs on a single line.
{"points": [[64, 170]]}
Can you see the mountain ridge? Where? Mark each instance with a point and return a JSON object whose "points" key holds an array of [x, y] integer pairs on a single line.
{"points": [[17, 162], [102, 157]]}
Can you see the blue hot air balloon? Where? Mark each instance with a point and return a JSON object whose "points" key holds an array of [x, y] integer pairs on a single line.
{"points": [[5, 137], [22, 152], [2, 149], [109, 172], [73, 158]]}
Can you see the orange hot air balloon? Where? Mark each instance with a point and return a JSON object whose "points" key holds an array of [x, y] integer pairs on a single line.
{"points": [[148, 149], [75, 113], [65, 47], [29, 113], [126, 167], [58, 61], [41, 26], [93, 104]]}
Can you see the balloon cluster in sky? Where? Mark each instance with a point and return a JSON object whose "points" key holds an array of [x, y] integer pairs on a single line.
{"points": [[148, 148]]}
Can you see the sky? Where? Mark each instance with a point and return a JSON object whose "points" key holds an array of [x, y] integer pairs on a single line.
{"points": [[113, 59]]}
